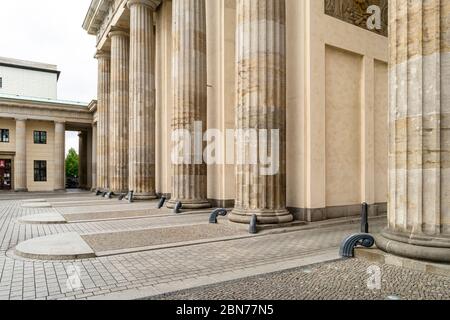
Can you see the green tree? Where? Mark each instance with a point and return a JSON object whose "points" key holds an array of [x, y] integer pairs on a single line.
{"points": [[72, 163]]}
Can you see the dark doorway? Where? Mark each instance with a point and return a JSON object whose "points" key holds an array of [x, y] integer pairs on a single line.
{"points": [[5, 174]]}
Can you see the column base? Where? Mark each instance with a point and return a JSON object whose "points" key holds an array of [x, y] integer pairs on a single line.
{"points": [[189, 204], [264, 216], [117, 192], [419, 247], [21, 190], [144, 196]]}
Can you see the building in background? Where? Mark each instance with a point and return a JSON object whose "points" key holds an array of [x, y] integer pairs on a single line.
{"points": [[28, 79], [33, 124]]}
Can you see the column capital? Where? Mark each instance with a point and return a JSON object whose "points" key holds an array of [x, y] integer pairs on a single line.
{"points": [[152, 4], [101, 54], [21, 119], [117, 32]]}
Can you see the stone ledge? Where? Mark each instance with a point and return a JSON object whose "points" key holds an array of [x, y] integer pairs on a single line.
{"points": [[64, 246], [381, 257], [36, 205], [44, 218]]}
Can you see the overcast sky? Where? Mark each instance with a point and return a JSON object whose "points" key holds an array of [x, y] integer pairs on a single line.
{"points": [[50, 31]]}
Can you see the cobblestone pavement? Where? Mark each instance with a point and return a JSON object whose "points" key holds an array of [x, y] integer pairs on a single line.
{"points": [[25, 279], [343, 280]]}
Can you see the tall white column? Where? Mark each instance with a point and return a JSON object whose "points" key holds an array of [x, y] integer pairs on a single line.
{"points": [[103, 125], [142, 99], [20, 160], [419, 120], [189, 72], [94, 157], [118, 115], [261, 105], [59, 156], [82, 164]]}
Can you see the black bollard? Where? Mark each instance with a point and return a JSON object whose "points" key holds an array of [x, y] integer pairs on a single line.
{"points": [[252, 229], [131, 196], [178, 207], [161, 202], [365, 218], [218, 212]]}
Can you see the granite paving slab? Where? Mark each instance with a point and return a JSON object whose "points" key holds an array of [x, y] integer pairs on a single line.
{"points": [[103, 242]]}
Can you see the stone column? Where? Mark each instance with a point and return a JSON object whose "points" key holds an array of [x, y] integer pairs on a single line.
{"points": [[103, 107], [189, 71], [261, 105], [142, 100], [59, 154], [20, 160], [419, 120], [89, 159], [118, 118], [94, 157], [82, 156], [164, 98]]}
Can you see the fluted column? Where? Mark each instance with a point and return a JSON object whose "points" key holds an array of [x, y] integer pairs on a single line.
{"points": [[118, 118], [82, 162], [59, 154], [94, 157], [142, 99], [103, 107], [189, 83], [20, 160], [261, 105], [419, 120]]}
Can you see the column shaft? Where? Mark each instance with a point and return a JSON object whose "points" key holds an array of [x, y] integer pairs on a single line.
{"points": [[59, 154], [82, 164], [419, 121], [142, 100], [20, 160], [118, 117], [103, 107], [94, 157], [261, 105], [189, 71]]}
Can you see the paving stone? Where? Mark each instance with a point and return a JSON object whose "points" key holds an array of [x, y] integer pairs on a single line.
{"points": [[141, 269], [346, 279]]}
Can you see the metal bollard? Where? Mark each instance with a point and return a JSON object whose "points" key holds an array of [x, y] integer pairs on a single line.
{"points": [[253, 222], [218, 212], [178, 207], [347, 249], [365, 218], [161, 202], [130, 196]]}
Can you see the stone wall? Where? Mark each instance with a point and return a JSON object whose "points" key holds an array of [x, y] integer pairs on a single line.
{"points": [[355, 12]]}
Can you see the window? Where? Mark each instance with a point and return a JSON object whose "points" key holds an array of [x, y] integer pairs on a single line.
{"points": [[40, 170], [4, 135], [40, 137]]}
